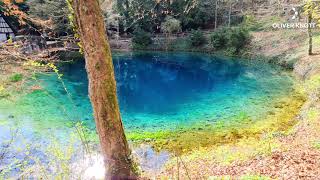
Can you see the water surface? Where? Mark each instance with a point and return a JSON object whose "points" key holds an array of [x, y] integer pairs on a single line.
{"points": [[156, 91]]}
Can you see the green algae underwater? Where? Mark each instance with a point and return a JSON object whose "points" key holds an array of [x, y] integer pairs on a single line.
{"points": [[177, 102]]}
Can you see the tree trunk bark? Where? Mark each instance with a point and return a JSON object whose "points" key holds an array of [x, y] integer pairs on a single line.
{"points": [[310, 33], [102, 89], [216, 15]]}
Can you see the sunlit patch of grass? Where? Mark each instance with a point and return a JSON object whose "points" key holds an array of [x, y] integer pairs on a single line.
{"points": [[244, 149], [316, 144], [219, 178], [313, 114], [263, 24], [1, 88], [312, 84], [316, 39], [3, 92], [254, 177]]}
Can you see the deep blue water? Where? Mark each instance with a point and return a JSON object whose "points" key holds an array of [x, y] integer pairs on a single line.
{"points": [[161, 91], [159, 84]]}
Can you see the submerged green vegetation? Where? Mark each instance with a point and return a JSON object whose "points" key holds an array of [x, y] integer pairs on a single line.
{"points": [[241, 128]]}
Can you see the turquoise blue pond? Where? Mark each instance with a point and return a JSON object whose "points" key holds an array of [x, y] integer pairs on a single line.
{"points": [[156, 91]]}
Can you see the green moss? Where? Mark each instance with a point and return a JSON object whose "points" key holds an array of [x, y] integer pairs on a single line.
{"points": [[16, 77], [313, 83], [143, 136], [97, 66]]}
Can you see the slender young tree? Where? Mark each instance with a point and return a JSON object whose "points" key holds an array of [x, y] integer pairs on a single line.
{"points": [[230, 11], [312, 11], [216, 14], [89, 23], [309, 33]]}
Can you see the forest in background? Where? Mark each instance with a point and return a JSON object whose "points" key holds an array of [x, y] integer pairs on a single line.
{"points": [[208, 26]]}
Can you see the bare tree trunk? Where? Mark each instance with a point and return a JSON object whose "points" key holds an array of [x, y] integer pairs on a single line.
{"points": [[229, 18], [241, 6], [310, 33], [216, 15], [102, 89], [280, 9]]}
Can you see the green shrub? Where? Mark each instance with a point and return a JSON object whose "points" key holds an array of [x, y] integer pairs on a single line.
{"points": [[238, 38], [171, 25], [219, 38], [251, 23], [141, 38], [197, 38], [233, 39], [231, 51], [16, 77]]}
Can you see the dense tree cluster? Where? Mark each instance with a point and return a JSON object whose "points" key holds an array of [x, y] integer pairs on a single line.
{"points": [[55, 13], [150, 14], [142, 19], [14, 11], [170, 25], [153, 16]]}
